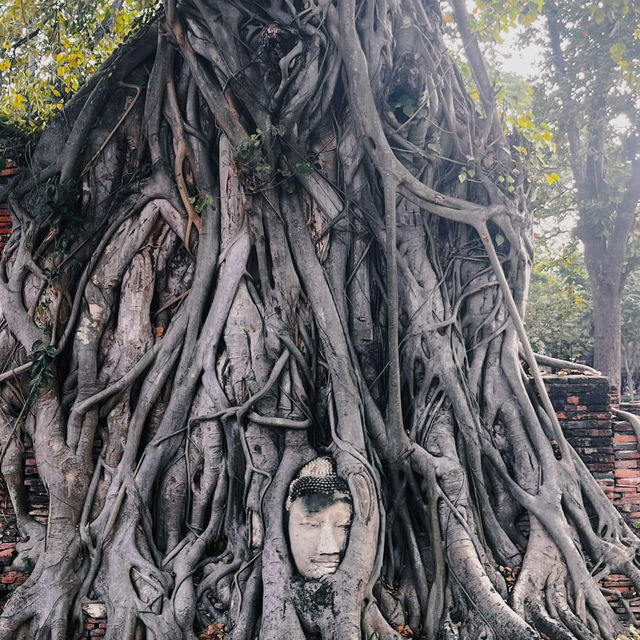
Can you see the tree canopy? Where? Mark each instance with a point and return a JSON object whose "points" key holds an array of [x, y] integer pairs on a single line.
{"points": [[49, 48], [558, 314]]}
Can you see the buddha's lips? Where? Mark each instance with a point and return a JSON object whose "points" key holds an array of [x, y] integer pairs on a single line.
{"points": [[326, 562]]}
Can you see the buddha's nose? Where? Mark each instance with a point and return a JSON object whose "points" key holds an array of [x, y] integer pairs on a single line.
{"points": [[329, 544]]}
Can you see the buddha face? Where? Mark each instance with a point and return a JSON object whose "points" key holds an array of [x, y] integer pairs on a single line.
{"points": [[318, 533]]}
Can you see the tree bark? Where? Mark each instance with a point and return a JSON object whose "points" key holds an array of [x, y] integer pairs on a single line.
{"points": [[607, 332]]}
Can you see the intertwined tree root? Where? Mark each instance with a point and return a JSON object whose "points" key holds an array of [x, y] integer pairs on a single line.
{"points": [[246, 243]]}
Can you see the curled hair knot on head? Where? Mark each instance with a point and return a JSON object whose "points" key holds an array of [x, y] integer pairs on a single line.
{"points": [[318, 477]]}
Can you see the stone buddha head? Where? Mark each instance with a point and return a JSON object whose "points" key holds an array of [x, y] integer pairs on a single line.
{"points": [[319, 507]]}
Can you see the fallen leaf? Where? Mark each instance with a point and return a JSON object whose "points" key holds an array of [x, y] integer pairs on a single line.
{"points": [[214, 631]]}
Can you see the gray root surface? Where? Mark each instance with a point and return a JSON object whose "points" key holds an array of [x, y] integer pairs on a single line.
{"points": [[244, 244]]}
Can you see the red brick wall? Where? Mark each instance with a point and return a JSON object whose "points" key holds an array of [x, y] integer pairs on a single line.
{"points": [[626, 497], [582, 404], [626, 494], [13, 577], [94, 627], [610, 451], [5, 219]]}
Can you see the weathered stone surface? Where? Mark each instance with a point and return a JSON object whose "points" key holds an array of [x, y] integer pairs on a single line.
{"points": [[95, 611]]}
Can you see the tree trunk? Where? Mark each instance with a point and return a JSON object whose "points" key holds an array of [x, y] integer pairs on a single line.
{"points": [[245, 271], [607, 331]]}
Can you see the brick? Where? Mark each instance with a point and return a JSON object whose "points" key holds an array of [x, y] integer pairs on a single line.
{"points": [[627, 464], [625, 446], [600, 468], [9, 578], [6, 557], [622, 490], [626, 473], [596, 436], [624, 438], [628, 455]]}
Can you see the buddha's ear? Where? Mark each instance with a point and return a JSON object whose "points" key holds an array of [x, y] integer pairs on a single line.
{"points": [[363, 493]]}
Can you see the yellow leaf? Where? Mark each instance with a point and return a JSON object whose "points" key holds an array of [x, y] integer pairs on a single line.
{"points": [[18, 101], [448, 18], [552, 177]]}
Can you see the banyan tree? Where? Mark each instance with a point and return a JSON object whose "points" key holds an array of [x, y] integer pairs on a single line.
{"points": [[273, 248]]}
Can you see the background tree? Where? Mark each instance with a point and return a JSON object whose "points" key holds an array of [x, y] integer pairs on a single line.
{"points": [[631, 334], [594, 53], [260, 232], [558, 317], [48, 48], [587, 94]]}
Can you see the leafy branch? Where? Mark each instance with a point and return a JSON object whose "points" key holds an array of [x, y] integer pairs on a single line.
{"points": [[41, 372]]}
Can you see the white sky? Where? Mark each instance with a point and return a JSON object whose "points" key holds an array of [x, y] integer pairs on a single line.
{"points": [[525, 61]]}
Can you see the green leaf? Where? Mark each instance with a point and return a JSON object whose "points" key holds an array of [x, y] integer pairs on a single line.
{"points": [[36, 367], [305, 168], [32, 398], [617, 51]]}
